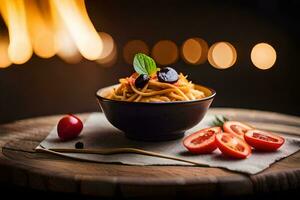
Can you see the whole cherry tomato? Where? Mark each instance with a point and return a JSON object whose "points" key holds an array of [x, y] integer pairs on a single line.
{"points": [[69, 127]]}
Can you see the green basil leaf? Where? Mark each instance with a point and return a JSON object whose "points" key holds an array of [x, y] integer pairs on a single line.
{"points": [[144, 64]]}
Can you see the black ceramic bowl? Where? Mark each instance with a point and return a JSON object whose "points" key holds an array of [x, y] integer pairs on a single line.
{"points": [[154, 121]]}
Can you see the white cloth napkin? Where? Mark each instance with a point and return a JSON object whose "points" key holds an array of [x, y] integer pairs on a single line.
{"points": [[99, 133]]}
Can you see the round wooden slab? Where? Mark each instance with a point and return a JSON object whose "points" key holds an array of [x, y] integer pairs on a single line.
{"points": [[21, 165]]}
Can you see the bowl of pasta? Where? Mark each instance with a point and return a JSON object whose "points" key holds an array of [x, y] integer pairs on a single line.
{"points": [[155, 106]]}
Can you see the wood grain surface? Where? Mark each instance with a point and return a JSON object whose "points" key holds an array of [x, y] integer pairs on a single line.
{"points": [[21, 165]]}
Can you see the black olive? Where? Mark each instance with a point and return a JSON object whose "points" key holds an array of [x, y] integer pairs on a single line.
{"points": [[141, 81], [79, 145], [167, 75]]}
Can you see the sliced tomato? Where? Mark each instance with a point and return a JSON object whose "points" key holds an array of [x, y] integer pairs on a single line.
{"points": [[203, 141], [262, 140], [134, 75], [236, 128], [132, 78], [232, 146]]}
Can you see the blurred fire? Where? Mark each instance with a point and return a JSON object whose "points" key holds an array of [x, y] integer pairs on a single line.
{"points": [[48, 28]]}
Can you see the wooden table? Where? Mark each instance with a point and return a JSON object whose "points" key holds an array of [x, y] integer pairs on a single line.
{"points": [[21, 165]]}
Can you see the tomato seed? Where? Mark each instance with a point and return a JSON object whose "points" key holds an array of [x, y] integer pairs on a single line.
{"points": [[264, 137], [238, 129], [203, 137]]}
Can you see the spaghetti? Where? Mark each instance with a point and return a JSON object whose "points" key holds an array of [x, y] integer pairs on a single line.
{"points": [[155, 91]]}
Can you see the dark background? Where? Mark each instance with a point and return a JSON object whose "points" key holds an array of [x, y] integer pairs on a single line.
{"points": [[51, 86]]}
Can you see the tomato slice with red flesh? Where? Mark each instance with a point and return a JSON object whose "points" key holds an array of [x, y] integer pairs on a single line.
{"points": [[232, 146], [236, 128], [203, 141], [263, 140]]}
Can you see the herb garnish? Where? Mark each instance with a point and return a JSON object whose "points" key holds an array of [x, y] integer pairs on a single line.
{"points": [[219, 121], [144, 64]]}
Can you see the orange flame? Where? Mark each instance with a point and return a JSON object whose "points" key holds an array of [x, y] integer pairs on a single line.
{"points": [[4, 59], [51, 27], [40, 29], [66, 47], [13, 12], [76, 19]]}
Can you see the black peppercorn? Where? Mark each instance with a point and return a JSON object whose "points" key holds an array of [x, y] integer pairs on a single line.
{"points": [[79, 145]]}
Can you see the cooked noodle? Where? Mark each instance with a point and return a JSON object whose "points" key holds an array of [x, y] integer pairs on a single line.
{"points": [[155, 91]]}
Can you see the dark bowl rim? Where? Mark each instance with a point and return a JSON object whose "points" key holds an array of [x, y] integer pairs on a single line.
{"points": [[155, 103]]}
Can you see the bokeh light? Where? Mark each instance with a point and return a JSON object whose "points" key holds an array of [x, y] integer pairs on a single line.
{"points": [[194, 51], [109, 53], [133, 47], [263, 56], [108, 45], [222, 55], [109, 60], [165, 52]]}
